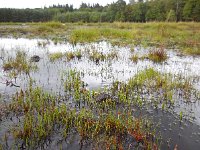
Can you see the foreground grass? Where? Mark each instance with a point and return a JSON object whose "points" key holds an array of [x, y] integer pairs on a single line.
{"points": [[44, 115], [182, 36], [106, 122]]}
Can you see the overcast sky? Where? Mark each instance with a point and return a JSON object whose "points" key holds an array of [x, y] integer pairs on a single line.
{"points": [[42, 3]]}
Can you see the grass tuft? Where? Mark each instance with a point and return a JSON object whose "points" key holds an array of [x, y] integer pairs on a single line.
{"points": [[158, 55], [55, 56]]}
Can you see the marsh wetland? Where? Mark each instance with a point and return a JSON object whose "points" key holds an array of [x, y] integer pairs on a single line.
{"points": [[100, 86]]}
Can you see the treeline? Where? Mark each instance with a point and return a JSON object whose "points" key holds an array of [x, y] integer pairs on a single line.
{"points": [[26, 15], [135, 11]]}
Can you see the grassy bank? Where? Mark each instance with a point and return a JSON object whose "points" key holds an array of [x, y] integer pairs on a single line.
{"points": [[182, 36]]}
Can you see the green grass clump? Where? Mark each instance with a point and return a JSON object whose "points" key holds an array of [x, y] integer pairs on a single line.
{"points": [[122, 25], [112, 55], [95, 34], [181, 116], [97, 56], [78, 54], [19, 64], [73, 82], [157, 55], [43, 29], [42, 43], [55, 25], [48, 28], [145, 77], [153, 81], [55, 56], [134, 58], [70, 55], [192, 51], [7, 66], [84, 35], [116, 33]]}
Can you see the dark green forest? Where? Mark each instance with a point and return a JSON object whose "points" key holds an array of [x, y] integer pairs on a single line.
{"points": [[140, 11]]}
